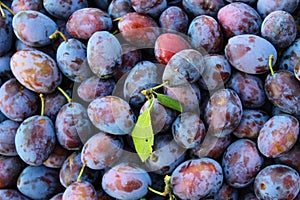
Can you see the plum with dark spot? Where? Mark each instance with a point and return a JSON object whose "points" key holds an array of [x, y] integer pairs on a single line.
{"points": [[126, 181], [200, 7], [39, 182], [223, 112], [241, 162], [35, 139], [197, 178], [278, 135], [250, 53], [19, 5], [277, 182], [250, 89]]}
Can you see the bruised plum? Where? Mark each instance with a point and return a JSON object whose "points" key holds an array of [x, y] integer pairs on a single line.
{"points": [[35, 139], [223, 112], [197, 178], [241, 162], [102, 150], [36, 70], [278, 135], [16, 102], [283, 90], [126, 181], [111, 114], [83, 23], [277, 182], [250, 53], [24, 22]]}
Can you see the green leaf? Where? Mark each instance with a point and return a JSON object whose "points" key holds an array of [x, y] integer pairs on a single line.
{"points": [[169, 102], [142, 134]]}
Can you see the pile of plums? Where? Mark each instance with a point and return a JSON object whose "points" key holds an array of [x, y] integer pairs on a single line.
{"points": [[76, 75]]}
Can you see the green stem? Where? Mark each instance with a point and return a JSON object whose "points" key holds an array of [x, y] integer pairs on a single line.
{"points": [[2, 12], [271, 57], [65, 94], [161, 85], [7, 8], [150, 91], [42, 104], [56, 33], [117, 19], [80, 173]]}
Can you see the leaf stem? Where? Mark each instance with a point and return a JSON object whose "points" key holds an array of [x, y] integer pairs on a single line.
{"points": [[56, 33], [65, 94], [80, 173], [271, 57], [42, 104]]}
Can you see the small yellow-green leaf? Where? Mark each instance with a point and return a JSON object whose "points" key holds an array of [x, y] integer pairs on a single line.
{"points": [[142, 135], [169, 102]]}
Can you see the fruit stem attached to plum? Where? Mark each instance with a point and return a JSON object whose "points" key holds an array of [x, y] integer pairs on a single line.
{"points": [[271, 57], [7, 8], [80, 173], [167, 190], [149, 92], [42, 104], [58, 33], [65, 94]]}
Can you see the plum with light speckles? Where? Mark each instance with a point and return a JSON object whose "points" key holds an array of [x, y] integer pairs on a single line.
{"points": [[102, 150], [70, 169], [265, 7], [291, 57], [166, 155], [36, 70], [126, 181], [251, 123], [239, 18], [223, 112], [64, 9], [205, 32], [19, 5], [250, 53], [83, 23], [8, 130], [118, 8], [35, 139], [200, 7], [25, 21], [39, 182], [188, 130], [111, 114], [72, 126], [250, 89], [283, 90], [71, 58], [277, 182], [278, 135], [104, 53], [197, 178], [16, 102], [80, 190], [174, 19], [241, 162], [279, 28]]}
